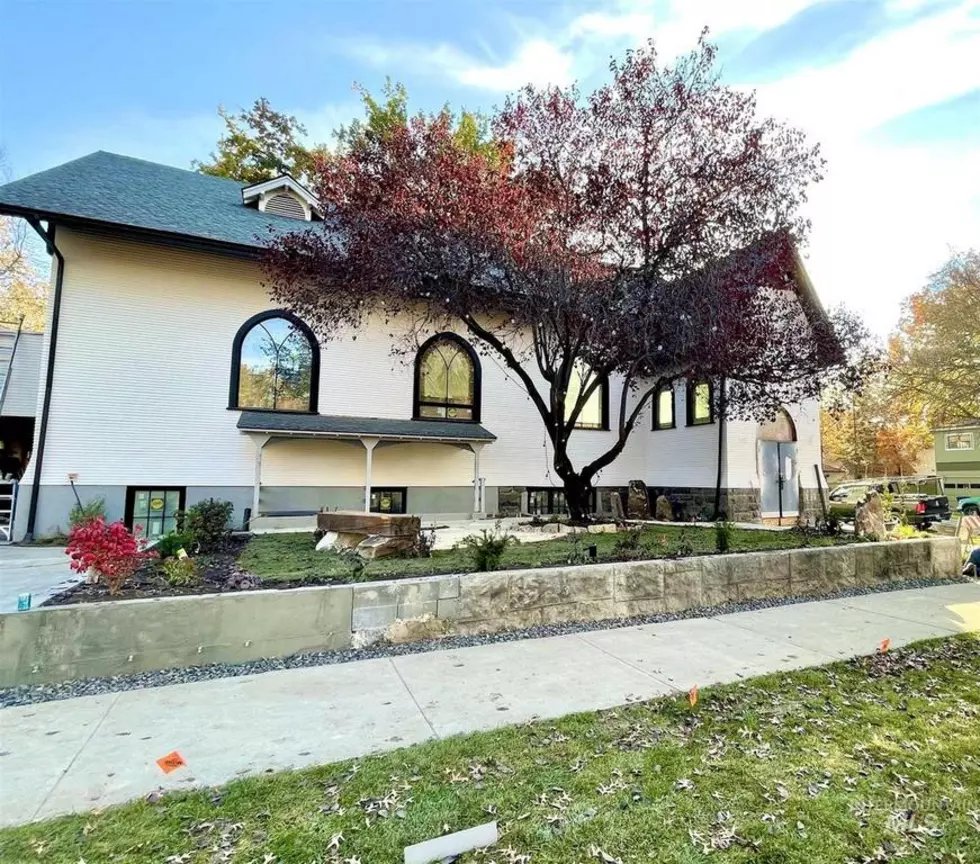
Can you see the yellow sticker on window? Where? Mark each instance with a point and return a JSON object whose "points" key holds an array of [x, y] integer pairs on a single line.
{"points": [[156, 503]]}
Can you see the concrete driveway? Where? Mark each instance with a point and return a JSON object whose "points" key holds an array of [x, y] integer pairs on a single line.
{"points": [[41, 571]]}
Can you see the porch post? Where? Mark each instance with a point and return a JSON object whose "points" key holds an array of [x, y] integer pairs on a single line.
{"points": [[476, 448], [369, 445], [259, 441]]}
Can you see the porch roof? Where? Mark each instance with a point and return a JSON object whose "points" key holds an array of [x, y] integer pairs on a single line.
{"points": [[320, 425]]}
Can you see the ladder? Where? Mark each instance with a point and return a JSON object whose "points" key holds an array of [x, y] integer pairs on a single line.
{"points": [[8, 505], [8, 350]]}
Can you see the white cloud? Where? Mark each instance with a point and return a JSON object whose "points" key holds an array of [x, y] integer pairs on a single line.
{"points": [[536, 61]]}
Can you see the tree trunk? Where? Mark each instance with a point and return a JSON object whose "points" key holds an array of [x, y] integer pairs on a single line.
{"points": [[578, 497]]}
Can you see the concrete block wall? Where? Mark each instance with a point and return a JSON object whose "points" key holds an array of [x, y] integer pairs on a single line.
{"points": [[128, 636]]}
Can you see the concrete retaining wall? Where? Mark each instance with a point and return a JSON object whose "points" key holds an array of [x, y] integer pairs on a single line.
{"points": [[127, 636]]}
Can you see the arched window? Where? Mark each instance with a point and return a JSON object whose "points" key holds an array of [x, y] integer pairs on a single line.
{"points": [[779, 428], [275, 364], [447, 380]]}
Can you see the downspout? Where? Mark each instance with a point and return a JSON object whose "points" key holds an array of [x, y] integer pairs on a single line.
{"points": [[721, 448], [47, 235]]}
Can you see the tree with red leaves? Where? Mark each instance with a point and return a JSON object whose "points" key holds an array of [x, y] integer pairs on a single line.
{"points": [[641, 235], [109, 553]]}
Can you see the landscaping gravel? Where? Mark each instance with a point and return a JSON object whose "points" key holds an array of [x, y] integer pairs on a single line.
{"points": [[29, 694]]}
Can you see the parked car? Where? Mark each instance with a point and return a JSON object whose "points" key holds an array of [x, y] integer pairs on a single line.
{"points": [[969, 506], [920, 500]]}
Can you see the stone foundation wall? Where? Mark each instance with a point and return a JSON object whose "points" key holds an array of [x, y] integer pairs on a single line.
{"points": [[128, 636]]}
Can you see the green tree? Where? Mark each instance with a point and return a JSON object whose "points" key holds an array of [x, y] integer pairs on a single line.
{"points": [[471, 130], [935, 353], [259, 144]]}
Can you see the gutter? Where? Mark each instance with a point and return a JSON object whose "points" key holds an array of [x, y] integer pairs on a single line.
{"points": [[47, 235]]}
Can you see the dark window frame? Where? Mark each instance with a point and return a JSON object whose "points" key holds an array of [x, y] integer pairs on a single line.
{"points": [[552, 492], [236, 362], [381, 490], [603, 410], [657, 425], [131, 500], [691, 390], [418, 402]]}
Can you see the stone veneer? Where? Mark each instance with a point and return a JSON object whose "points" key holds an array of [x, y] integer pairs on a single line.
{"points": [[128, 636]]}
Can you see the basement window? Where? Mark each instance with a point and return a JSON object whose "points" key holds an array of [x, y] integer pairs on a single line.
{"points": [[152, 510]]}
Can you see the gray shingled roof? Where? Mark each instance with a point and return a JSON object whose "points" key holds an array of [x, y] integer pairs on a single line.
{"points": [[121, 191], [378, 427]]}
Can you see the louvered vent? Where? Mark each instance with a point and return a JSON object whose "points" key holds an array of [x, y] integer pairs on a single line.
{"points": [[285, 205]]}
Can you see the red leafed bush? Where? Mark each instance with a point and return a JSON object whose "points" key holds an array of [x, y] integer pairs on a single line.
{"points": [[109, 551]]}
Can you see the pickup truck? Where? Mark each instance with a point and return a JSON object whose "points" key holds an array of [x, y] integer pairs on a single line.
{"points": [[921, 503]]}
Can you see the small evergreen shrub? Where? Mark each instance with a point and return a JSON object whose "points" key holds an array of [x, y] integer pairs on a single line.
{"points": [[207, 523], [487, 549], [82, 513], [170, 544], [723, 536]]}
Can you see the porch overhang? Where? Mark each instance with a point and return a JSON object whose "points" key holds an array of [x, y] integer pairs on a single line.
{"points": [[356, 428], [371, 433]]}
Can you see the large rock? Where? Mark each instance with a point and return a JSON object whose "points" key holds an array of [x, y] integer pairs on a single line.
{"points": [[374, 535], [638, 501], [663, 511], [869, 517]]}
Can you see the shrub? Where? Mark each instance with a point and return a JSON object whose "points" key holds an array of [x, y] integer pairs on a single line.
{"points": [[180, 572], [112, 553], [487, 549], [628, 542], [723, 536], [207, 523], [353, 559], [170, 544], [684, 547], [82, 513], [424, 542]]}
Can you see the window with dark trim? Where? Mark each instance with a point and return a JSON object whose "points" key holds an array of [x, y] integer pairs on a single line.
{"points": [[550, 501], [152, 510], [595, 412], [700, 403], [447, 380], [389, 500], [275, 364], [663, 408]]}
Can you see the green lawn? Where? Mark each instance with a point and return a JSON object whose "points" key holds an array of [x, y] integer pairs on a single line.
{"points": [[293, 556], [875, 760]]}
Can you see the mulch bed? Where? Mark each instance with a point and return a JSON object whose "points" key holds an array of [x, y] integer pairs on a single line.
{"points": [[218, 573]]}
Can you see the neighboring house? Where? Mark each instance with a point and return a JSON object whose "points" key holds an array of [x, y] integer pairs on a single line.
{"points": [[20, 368], [174, 379], [958, 460]]}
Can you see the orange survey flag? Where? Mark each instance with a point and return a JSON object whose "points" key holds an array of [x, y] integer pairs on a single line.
{"points": [[171, 762], [692, 696]]}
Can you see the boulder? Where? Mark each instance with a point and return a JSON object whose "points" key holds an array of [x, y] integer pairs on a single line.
{"points": [[663, 511], [379, 546], [637, 501], [869, 517]]}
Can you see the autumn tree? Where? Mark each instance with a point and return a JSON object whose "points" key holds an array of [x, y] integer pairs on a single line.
{"points": [[935, 353], [642, 234], [259, 144], [23, 293]]}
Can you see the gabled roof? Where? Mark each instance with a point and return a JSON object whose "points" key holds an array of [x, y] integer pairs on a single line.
{"points": [[118, 193], [252, 193]]}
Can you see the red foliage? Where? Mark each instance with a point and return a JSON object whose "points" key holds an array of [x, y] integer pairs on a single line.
{"points": [[111, 551], [645, 233]]}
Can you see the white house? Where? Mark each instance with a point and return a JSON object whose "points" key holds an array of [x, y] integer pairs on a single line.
{"points": [[174, 379]]}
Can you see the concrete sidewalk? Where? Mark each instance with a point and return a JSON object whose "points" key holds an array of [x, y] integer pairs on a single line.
{"points": [[89, 752], [41, 571]]}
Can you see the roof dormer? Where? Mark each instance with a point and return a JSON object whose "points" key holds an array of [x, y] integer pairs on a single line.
{"points": [[282, 196]]}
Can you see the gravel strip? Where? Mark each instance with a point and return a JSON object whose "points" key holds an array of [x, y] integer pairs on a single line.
{"points": [[29, 694]]}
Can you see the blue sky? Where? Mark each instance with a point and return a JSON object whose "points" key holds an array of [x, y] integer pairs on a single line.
{"points": [[891, 88]]}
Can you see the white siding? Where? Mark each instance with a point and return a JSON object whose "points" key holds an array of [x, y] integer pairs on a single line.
{"points": [[141, 393], [21, 398]]}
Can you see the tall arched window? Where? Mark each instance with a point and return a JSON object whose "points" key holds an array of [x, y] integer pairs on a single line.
{"points": [[275, 364], [447, 380]]}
